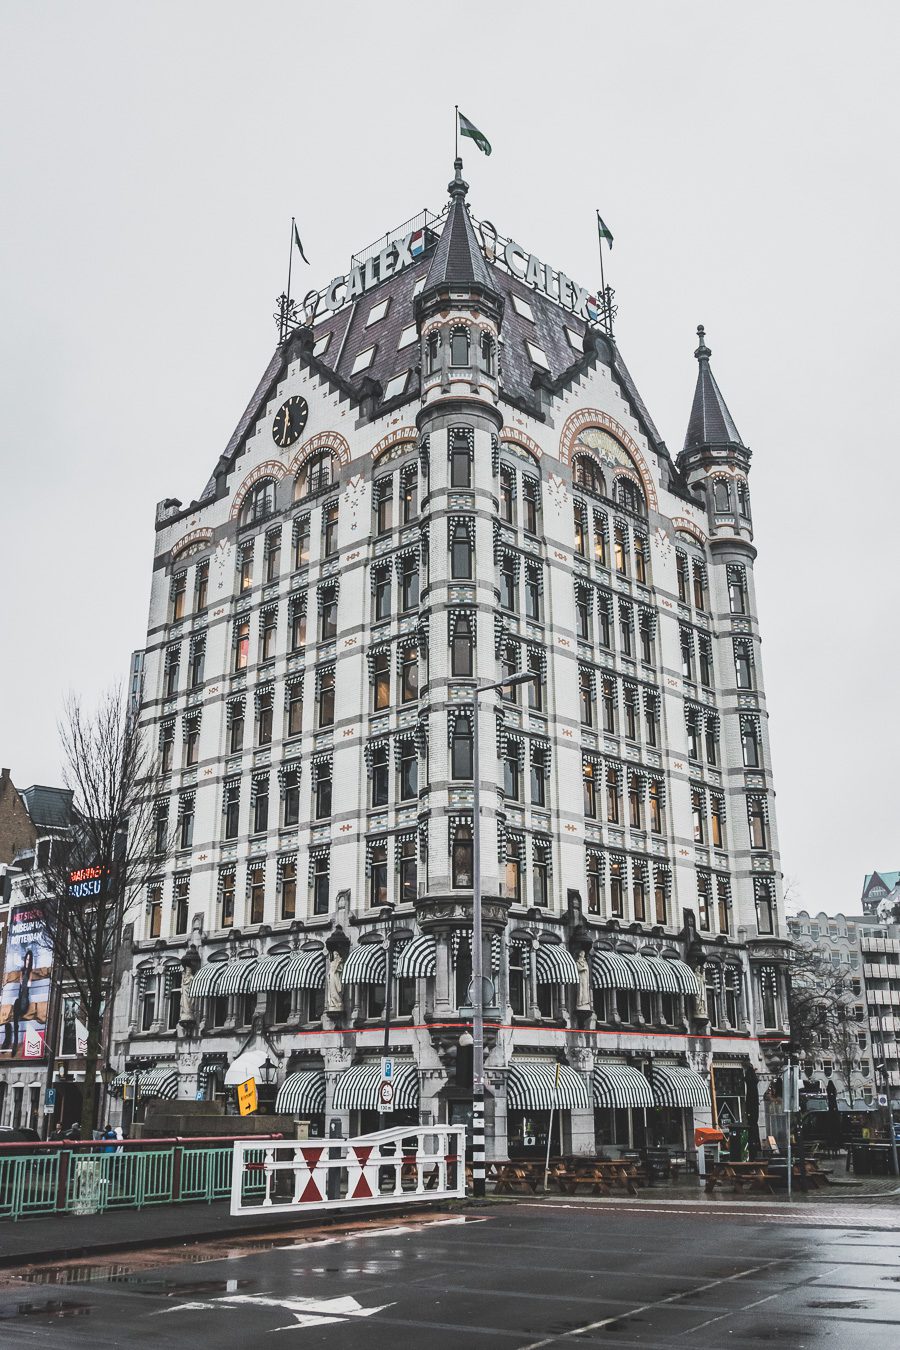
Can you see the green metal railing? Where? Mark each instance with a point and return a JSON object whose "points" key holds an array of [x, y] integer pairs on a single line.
{"points": [[69, 1182]]}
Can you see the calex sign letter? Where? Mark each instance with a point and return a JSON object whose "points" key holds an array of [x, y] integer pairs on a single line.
{"points": [[557, 285], [393, 258]]}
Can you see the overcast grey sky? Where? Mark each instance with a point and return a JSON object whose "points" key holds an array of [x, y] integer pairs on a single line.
{"points": [[744, 157]]}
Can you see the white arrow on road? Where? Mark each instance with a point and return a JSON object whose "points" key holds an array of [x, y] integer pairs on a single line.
{"points": [[309, 1312]]}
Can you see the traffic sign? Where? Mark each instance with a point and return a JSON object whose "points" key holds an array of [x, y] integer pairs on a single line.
{"points": [[882, 1099], [387, 1069], [246, 1095], [386, 1093]]}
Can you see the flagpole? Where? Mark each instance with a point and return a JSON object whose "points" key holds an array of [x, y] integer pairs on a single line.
{"points": [[290, 262], [603, 278]]}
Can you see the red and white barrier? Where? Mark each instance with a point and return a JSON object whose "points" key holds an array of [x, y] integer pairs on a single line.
{"points": [[405, 1164]]}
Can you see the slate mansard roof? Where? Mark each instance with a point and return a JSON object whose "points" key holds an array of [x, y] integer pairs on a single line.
{"points": [[570, 345]]}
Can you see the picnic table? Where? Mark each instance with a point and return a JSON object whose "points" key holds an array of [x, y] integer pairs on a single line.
{"points": [[754, 1175], [515, 1175]]}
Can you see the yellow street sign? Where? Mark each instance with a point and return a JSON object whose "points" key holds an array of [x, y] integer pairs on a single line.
{"points": [[246, 1095]]}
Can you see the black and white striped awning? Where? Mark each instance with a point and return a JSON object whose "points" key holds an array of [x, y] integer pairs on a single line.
{"points": [[160, 1082], [304, 970], [620, 1085], [302, 1094], [207, 978], [538, 1085], [236, 976], [356, 1089], [675, 1086], [365, 964], [418, 959], [268, 972], [648, 975], [553, 964]]}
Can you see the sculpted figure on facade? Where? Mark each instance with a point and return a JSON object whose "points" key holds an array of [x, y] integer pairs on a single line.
{"points": [[334, 985]]}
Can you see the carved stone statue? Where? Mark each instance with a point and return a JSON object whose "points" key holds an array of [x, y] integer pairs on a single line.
{"points": [[334, 985], [186, 1014], [584, 1003]]}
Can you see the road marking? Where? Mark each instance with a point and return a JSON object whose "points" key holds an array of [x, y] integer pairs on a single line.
{"points": [[308, 1312], [648, 1307]]}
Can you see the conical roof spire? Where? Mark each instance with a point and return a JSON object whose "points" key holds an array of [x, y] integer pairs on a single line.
{"points": [[458, 261], [710, 422]]}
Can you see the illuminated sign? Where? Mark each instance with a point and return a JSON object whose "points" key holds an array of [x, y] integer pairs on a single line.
{"points": [[25, 991], [86, 882]]}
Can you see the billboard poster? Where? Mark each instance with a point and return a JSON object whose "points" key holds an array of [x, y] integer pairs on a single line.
{"points": [[26, 986]]}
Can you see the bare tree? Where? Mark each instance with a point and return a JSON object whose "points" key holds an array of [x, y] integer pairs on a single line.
{"points": [[821, 1004], [95, 880]]}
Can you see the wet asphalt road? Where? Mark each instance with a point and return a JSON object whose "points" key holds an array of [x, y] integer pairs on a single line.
{"points": [[522, 1276]]}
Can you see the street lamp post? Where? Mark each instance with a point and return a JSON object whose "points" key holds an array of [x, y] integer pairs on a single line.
{"points": [[887, 1090], [387, 912], [478, 1147]]}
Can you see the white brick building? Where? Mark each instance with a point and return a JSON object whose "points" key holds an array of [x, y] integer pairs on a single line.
{"points": [[447, 474]]}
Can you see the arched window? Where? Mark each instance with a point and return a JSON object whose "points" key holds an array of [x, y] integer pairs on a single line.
{"points": [[316, 474], [721, 496], [259, 502], [629, 495], [588, 475], [459, 347], [743, 499], [432, 352], [487, 353]]}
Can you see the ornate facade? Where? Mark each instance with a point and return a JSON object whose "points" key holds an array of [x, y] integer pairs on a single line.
{"points": [[449, 478]]}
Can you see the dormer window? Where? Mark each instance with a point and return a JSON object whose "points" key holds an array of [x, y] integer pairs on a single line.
{"points": [[576, 341], [396, 386], [521, 306], [377, 312], [321, 347], [406, 337], [419, 286], [459, 347], [538, 355], [363, 360]]}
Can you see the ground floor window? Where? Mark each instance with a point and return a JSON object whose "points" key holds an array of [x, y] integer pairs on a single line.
{"points": [[527, 1133], [638, 1128], [729, 1095]]}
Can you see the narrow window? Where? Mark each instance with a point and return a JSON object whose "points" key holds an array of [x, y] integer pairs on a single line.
{"points": [[461, 646], [460, 551], [698, 815], [538, 775], [408, 870], [409, 674], [323, 790], [612, 796], [756, 815], [590, 790], [380, 774], [409, 771], [460, 461], [459, 347], [236, 729], [378, 891], [617, 888], [265, 702], [461, 857], [232, 807], [326, 697], [301, 542], [291, 799], [532, 594], [381, 679], [382, 594], [179, 588], [242, 644], [461, 748], [268, 629], [273, 555], [384, 504], [330, 529], [260, 803], [256, 894], [201, 587]]}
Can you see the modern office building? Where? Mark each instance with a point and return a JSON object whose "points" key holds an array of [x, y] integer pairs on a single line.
{"points": [[446, 475]]}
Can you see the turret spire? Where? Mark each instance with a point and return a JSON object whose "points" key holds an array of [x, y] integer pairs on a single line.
{"points": [[458, 261], [710, 422]]}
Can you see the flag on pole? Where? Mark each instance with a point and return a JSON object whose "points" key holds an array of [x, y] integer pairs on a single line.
{"points": [[299, 245], [467, 128], [604, 231]]}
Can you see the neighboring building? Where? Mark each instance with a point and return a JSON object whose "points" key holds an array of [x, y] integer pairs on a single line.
{"points": [[26, 999], [848, 1062], [450, 476], [867, 948], [876, 889]]}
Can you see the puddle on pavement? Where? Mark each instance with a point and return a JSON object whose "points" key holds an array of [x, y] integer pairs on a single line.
{"points": [[128, 1270], [54, 1307]]}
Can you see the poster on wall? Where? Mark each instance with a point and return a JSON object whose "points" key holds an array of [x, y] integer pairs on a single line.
{"points": [[26, 986]]}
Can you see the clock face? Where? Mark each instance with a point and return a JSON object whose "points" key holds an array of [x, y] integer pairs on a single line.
{"points": [[290, 421]]}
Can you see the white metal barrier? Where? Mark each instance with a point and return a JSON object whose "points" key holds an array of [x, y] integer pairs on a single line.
{"points": [[404, 1164]]}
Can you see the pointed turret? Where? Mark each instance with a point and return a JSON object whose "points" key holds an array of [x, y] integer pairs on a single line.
{"points": [[710, 422], [458, 261]]}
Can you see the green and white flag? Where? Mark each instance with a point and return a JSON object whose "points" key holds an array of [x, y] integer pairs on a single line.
{"points": [[604, 231], [467, 128]]}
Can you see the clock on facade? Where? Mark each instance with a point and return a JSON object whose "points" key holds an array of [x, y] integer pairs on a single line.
{"points": [[290, 421]]}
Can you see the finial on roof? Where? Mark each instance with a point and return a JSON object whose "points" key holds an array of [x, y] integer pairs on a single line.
{"points": [[457, 187], [703, 352]]}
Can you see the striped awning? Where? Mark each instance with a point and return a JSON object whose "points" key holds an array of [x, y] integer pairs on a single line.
{"points": [[236, 977], [161, 1082], [302, 1093], [674, 1086], [207, 978], [647, 974], [532, 1085], [418, 959], [304, 970], [610, 970], [356, 1089], [620, 1085], [554, 964], [267, 974], [365, 965]]}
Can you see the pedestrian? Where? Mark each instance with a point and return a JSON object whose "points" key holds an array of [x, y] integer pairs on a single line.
{"points": [[56, 1133], [109, 1133], [74, 1131]]}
